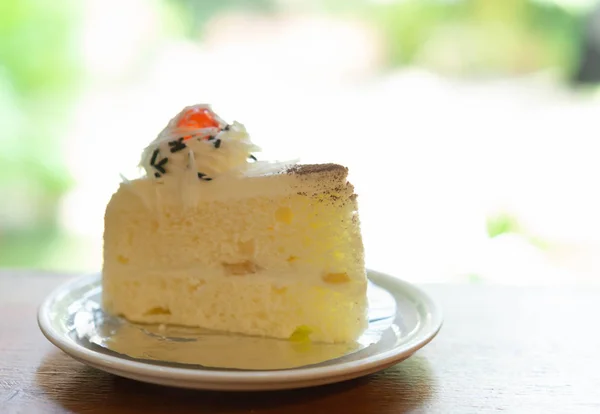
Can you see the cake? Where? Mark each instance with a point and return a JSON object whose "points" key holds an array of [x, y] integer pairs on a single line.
{"points": [[210, 237]]}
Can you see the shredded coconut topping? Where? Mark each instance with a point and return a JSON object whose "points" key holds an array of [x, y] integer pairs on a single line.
{"points": [[198, 142]]}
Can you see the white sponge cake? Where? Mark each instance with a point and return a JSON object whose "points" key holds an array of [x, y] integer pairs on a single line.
{"points": [[246, 247]]}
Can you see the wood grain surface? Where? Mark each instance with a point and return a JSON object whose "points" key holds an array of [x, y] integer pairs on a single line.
{"points": [[502, 349]]}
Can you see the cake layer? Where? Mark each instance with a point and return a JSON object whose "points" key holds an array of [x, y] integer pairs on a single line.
{"points": [[146, 226], [262, 305]]}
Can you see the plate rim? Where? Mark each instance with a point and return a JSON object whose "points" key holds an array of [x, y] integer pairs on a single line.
{"points": [[431, 326]]}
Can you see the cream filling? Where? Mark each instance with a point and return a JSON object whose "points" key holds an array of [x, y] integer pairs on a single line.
{"points": [[245, 272]]}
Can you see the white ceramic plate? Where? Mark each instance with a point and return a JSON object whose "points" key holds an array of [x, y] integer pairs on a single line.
{"points": [[416, 321]]}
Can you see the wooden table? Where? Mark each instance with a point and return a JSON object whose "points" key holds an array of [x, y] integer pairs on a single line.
{"points": [[524, 350]]}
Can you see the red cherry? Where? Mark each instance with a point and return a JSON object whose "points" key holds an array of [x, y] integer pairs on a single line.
{"points": [[197, 118]]}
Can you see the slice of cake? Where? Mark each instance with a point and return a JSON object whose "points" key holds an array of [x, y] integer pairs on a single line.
{"points": [[210, 237]]}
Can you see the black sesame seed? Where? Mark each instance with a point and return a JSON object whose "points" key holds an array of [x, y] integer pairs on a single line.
{"points": [[252, 157], [154, 155], [160, 165], [203, 177], [210, 137], [177, 145], [157, 175], [227, 127], [217, 143]]}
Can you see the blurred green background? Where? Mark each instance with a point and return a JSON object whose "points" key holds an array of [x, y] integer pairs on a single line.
{"points": [[56, 57]]}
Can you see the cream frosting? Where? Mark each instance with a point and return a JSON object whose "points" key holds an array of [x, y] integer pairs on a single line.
{"points": [[185, 148]]}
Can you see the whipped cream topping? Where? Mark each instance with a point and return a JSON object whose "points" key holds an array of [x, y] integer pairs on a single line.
{"points": [[198, 142]]}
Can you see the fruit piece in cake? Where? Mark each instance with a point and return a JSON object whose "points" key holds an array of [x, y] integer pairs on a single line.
{"points": [[209, 238]]}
